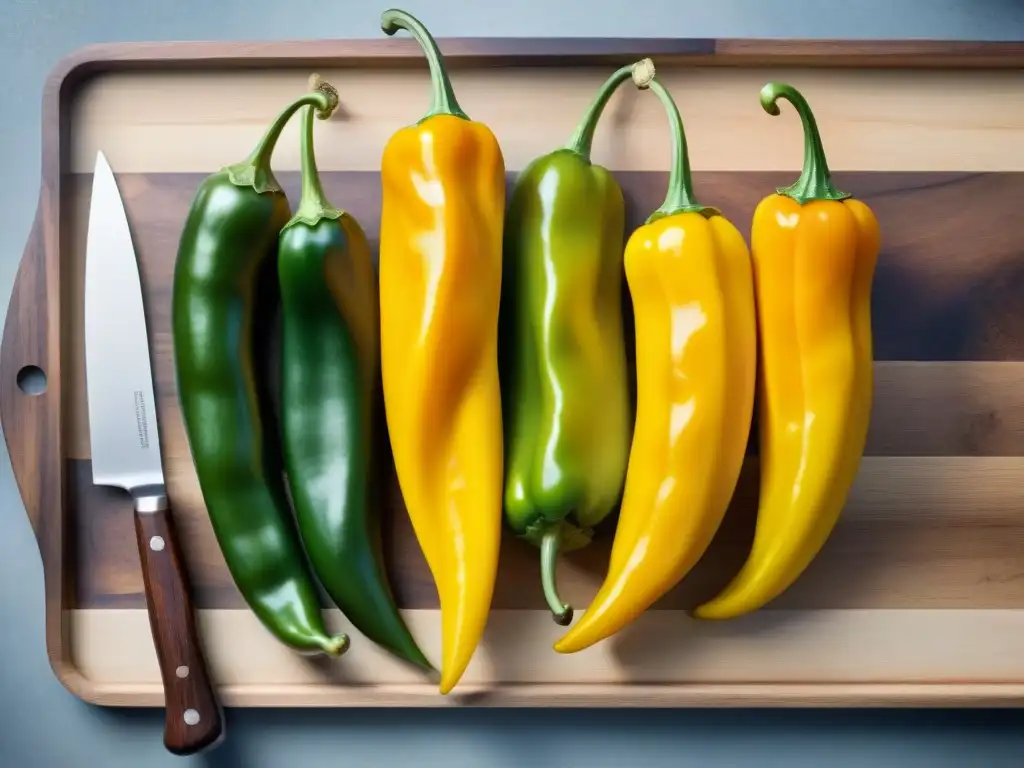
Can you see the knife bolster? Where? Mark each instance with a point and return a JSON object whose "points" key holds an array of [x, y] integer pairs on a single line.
{"points": [[150, 498]]}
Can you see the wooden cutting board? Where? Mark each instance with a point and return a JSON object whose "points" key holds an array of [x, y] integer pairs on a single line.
{"points": [[918, 598]]}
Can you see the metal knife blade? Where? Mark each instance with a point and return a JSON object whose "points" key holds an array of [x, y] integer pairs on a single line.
{"points": [[124, 434], [125, 444]]}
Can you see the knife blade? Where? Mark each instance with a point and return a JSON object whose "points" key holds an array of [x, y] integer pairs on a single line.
{"points": [[125, 445]]}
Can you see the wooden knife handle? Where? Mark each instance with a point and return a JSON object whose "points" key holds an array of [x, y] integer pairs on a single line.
{"points": [[194, 716]]}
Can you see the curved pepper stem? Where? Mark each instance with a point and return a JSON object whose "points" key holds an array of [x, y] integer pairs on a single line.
{"points": [[255, 170], [313, 205], [443, 101], [815, 182], [679, 198], [550, 543], [582, 138]]}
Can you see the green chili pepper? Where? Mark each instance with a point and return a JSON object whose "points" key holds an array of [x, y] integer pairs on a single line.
{"points": [[223, 298], [565, 381], [330, 369]]}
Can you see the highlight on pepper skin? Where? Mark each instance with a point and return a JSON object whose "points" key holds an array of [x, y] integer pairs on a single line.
{"points": [[329, 365], [690, 279], [228, 241], [816, 359], [565, 384], [499, 345], [440, 291]]}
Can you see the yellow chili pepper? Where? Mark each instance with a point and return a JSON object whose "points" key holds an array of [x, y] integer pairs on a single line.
{"points": [[440, 284], [690, 278], [815, 250]]}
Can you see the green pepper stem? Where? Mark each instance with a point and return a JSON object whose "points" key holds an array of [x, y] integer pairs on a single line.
{"points": [[550, 544], [255, 170], [313, 205], [679, 198], [443, 101], [815, 182], [582, 138]]}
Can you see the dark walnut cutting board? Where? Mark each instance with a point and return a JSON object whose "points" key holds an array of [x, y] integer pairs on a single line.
{"points": [[918, 598]]}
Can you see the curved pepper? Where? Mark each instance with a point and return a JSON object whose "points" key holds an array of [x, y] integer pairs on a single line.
{"points": [[440, 285], [564, 371], [224, 293], [815, 250], [690, 279], [329, 377]]}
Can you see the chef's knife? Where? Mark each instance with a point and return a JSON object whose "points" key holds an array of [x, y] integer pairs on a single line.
{"points": [[125, 443]]}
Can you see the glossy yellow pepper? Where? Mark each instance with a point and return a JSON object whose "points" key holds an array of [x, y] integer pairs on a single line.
{"points": [[690, 278], [815, 250], [440, 284]]}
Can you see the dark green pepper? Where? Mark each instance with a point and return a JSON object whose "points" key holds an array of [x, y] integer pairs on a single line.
{"points": [[224, 297], [565, 382], [330, 378]]}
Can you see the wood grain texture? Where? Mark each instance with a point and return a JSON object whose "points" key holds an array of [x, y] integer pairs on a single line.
{"points": [[915, 533], [945, 290], [931, 546], [968, 121], [874, 657]]}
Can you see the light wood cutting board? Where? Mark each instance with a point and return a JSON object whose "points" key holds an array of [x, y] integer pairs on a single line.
{"points": [[918, 598]]}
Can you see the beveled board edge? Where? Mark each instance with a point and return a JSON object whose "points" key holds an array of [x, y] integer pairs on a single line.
{"points": [[33, 426], [730, 695]]}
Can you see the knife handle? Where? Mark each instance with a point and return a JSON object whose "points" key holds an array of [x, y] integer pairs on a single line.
{"points": [[194, 716]]}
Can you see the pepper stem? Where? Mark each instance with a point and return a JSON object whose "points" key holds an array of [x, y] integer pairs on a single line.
{"points": [[582, 138], [443, 101], [679, 198], [815, 182], [255, 170], [313, 205], [550, 544]]}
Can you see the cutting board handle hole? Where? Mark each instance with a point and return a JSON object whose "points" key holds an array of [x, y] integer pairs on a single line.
{"points": [[32, 380]]}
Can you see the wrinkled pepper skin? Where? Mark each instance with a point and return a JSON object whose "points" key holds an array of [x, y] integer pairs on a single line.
{"points": [[690, 279], [440, 287], [815, 250], [329, 382], [565, 386], [224, 292]]}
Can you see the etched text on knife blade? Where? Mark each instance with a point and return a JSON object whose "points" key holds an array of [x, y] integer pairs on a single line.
{"points": [[142, 423]]}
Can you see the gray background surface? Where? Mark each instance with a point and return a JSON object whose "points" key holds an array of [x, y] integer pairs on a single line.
{"points": [[42, 725]]}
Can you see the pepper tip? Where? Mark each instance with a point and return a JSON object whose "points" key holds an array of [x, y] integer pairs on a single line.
{"points": [[567, 644], [447, 684], [336, 645]]}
